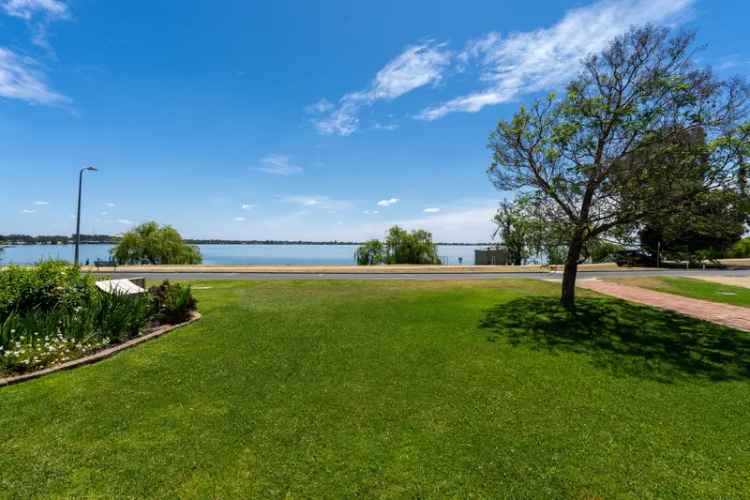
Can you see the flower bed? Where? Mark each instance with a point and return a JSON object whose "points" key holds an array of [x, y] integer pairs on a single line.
{"points": [[51, 314]]}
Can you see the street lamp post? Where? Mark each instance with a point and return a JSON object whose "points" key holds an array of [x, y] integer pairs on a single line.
{"points": [[78, 217]]}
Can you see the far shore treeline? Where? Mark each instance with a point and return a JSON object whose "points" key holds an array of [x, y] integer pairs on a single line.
{"points": [[98, 239]]}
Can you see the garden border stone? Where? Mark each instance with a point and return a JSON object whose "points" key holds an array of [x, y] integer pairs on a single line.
{"points": [[99, 355]]}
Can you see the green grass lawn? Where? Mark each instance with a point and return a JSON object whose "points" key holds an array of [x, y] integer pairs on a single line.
{"points": [[394, 389], [693, 288]]}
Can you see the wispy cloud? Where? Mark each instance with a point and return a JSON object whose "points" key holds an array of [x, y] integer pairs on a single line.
{"points": [[371, 212], [431, 210], [110, 205], [28, 211], [390, 127], [247, 206], [388, 202], [39, 14], [416, 66], [321, 106], [528, 62], [41, 203], [21, 78], [240, 219], [27, 9], [321, 202], [277, 164], [126, 222]]}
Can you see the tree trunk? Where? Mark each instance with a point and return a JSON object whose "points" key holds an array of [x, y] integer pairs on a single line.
{"points": [[568, 298]]}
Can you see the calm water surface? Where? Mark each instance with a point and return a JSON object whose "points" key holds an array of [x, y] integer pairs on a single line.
{"points": [[227, 254]]}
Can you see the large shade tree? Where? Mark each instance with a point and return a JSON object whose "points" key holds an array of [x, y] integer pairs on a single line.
{"points": [[607, 153]]}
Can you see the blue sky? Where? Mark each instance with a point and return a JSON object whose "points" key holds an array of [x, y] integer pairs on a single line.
{"points": [[280, 119]]}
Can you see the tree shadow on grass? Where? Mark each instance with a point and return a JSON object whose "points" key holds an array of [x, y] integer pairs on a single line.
{"points": [[625, 338]]}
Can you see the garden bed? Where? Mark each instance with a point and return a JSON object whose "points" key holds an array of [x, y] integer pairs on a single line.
{"points": [[100, 355], [53, 315]]}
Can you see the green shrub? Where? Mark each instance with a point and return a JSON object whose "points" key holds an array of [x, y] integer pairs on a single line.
{"points": [[173, 302], [740, 250], [48, 285], [120, 316], [370, 253]]}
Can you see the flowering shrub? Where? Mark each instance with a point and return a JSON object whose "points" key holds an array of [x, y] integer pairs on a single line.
{"points": [[52, 313]]}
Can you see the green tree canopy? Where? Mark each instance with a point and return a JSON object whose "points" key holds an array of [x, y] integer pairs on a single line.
{"points": [[150, 243], [415, 247], [706, 228], [400, 247], [370, 253], [603, 156]]}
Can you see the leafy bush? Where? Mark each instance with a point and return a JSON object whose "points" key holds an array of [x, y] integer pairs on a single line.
{"points": [[740, 250], [44, 287], [173, 302], [370, 253]]}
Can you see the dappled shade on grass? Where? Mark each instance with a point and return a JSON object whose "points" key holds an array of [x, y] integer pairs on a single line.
{"points": [[625, 338]]}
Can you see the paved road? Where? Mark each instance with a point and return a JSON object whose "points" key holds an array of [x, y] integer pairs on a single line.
{"points": [[412, 276]]}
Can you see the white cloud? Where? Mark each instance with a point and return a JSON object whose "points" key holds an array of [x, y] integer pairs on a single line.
{"points": [[528, 62], [431, 210], [390, 127], [321, 106], [28, 211], [240, 219], [26, 9], [41, 203], [126, 222], [277, 164], [388, 202], [321, 202], [416, 66], [39, 14], [110, 205], [371, 212], [104, 214], [21, 78], [247, 206]]}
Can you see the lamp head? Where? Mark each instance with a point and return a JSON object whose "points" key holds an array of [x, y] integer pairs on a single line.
{"points": [[92, 169]]}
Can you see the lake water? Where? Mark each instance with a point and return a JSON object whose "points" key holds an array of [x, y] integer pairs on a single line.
{"points": [[227, 254]]}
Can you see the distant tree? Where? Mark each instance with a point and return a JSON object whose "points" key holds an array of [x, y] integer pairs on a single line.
{"points": [[604, 155], [370, 253], [150, 243], [707, 227], [415, 247], [604, 251], [514, 227], [740, 250]]}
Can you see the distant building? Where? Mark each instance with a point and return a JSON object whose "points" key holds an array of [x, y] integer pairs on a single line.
{"points": [[491, 256]]}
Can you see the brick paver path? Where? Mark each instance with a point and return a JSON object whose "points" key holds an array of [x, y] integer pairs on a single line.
{"points": [[723, 314]]}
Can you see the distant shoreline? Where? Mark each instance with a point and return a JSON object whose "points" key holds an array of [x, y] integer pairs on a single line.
{"points": [[224, 242]]}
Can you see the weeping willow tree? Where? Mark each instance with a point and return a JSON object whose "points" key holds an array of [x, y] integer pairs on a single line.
{"points": [[150, 243]]}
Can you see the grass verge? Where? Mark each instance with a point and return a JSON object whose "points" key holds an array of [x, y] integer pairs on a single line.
{"points": [[693, 288]]}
